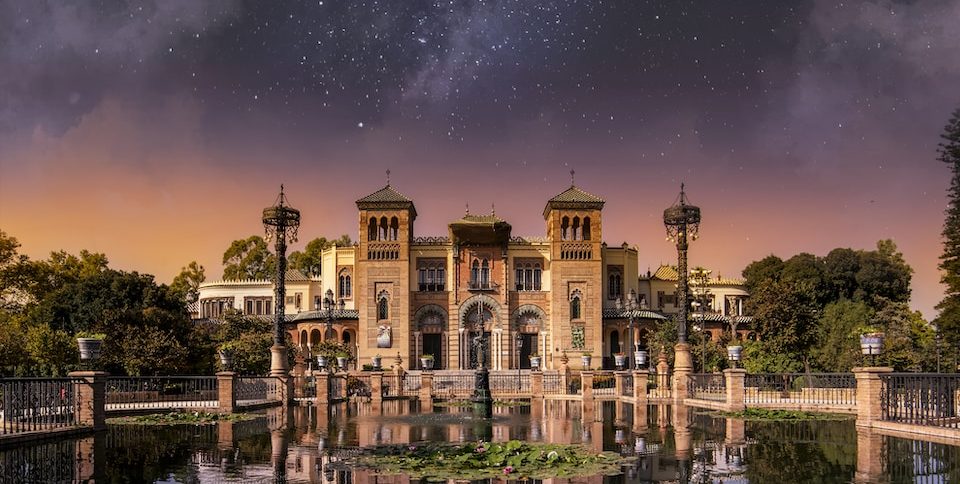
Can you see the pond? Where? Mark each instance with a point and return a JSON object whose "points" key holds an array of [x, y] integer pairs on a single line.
{"points": [[309, 444]]}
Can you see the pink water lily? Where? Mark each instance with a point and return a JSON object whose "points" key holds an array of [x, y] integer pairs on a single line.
{"points": [[507, 470]]}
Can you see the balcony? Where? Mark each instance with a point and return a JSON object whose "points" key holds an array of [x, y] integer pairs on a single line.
{"points": [[482, 286]]}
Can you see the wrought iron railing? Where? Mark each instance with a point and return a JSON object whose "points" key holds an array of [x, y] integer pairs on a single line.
{"points": [[36, 404], [337, 385], [510, 382], [358, 385], [251, 390], [552, 383], [810, 388], [406, 385], [921, 399], [459, 384], [161, 392], [707, 386]]}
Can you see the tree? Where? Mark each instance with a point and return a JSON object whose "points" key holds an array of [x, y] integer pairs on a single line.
{"points": [[838, 344], [908, 344], [785, 316], [309, 261], [249, 259], [883, 274], [806, 269], [948, 321], [187, 284], [764, 270], [840, 269]]}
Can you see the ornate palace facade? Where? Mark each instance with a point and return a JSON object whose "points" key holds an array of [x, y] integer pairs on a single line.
{"points": [[407, 295]]}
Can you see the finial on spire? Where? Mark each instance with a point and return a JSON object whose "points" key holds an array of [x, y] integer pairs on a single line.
{"points": [[573, 177], [281, 194], [493, 209], [388, 177], [467, 211]]}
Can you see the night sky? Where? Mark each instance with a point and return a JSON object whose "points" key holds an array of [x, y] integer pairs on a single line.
{"points": [[156, 131]]}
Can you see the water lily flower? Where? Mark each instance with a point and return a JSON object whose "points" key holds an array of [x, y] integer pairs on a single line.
{"points": [[412, 448], [480, 449], [507, 470]]}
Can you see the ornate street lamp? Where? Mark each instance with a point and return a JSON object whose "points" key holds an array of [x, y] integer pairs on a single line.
{"points": [[630, 306], [682, 222], [280, 222]]}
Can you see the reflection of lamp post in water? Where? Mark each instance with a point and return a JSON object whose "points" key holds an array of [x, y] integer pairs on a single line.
{"points": [[482, 402]]}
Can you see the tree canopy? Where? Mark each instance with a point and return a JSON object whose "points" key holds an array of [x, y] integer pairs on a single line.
{"points": [[948, 321], [249, 259], [309, 260]]}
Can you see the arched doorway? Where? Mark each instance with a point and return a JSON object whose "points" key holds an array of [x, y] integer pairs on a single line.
{"points": [[431, 323], [478, 315], [527, 321]]}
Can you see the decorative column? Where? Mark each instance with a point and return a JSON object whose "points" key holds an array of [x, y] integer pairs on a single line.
{"points": [[682, 220], [323, 387], [280, 222], [640, 387], [663, 375], [586, 392], [426, 391], [536, 385], [376, 387]]}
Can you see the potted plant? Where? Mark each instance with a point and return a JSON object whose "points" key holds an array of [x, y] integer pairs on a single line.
{"points": [[871, 340], [90, 345], [585, 359], [377, 362], [534, 361], [620, 360], [426, 361], [342, 359], [226, 351]]}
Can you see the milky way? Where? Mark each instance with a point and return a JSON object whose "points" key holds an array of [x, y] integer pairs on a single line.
{"points": [[799, 126]]}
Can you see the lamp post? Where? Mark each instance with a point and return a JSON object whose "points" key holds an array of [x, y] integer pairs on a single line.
{"points": [[330, 311], [682, 222], [280, 222], [519, 357], [630, 306]]}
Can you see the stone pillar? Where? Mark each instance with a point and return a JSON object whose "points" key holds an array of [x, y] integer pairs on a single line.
{"points": [[536, 384], [682, 369], [586, 392], [323, 387], [299, 372], [278, 361], [618, 383], [869, 452], [663, 375], [734, 382], [376, 387], [91, 394], [226, 394], [640, 387], [868, 394], [426, 391]]}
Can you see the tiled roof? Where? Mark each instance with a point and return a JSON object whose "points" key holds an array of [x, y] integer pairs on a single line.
{"points": [[294, 275], [669, 273], [719, 317], [480, 219], [385, 195], [322, 315], [614, 313], [576, 195]]}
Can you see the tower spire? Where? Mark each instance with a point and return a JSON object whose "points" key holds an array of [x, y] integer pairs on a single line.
{"points": [[388, 177], [573, 177]]}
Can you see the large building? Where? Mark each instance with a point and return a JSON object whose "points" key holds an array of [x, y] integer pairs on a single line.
{"points": [[410, 295]]}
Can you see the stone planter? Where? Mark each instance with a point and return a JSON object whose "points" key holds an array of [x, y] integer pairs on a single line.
{"points": [[620, 361], [640, 357], [322, 361], [585, 359], [871, 344], [377, 363], [342, 362], [226, 359], [535, 362], [426, 363], [89, 348]]}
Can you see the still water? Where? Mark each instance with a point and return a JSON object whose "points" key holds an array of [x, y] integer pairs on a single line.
{"points": [[306, 444]]}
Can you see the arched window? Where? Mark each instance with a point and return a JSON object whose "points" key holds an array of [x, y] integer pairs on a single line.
{"points": [[383, 229], [485, 274], [615, 284], [575, 304], [345, 289], [475, 273], [519, 281], [394, 229], [577, 235], [536, 277], [372, 229], [586, 228], [383, 307], [565, 228]]}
